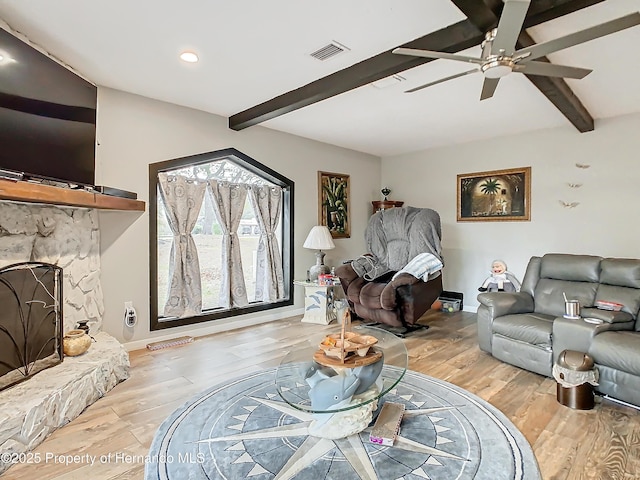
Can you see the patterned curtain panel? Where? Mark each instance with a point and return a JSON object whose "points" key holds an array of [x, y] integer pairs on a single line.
{"points": [[228, 203], [182, 199], [267, 203]]}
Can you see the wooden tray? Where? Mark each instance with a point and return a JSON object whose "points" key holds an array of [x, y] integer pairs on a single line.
{"points": [[352, 361], [349, 343]]}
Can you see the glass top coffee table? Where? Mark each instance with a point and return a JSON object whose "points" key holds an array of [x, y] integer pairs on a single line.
{"points": [[341, 396]]}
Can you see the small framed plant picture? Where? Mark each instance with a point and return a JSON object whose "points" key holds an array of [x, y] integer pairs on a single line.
{"points": [[499, 195], [333, 203]]}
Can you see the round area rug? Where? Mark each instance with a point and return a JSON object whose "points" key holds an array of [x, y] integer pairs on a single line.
{"points": [[243, 429]]}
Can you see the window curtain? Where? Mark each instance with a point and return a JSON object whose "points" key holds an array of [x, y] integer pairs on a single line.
{"points": [[228, 202], [182, 198], [267, 203]]}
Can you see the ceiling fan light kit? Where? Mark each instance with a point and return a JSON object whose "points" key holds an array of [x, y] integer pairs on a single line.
{"points": [[499, 55], [498, 68]]}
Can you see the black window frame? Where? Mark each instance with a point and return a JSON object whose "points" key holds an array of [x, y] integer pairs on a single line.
{"points": [[255, 167]]}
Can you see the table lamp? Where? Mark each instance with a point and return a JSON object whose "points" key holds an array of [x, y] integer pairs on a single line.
{"points": [[319, 238]]}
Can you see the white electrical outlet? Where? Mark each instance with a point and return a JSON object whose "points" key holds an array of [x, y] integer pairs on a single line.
{"points": [[130, 315]]}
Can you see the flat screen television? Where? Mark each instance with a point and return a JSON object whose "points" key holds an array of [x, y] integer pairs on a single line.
{"points": [[47, 116]]}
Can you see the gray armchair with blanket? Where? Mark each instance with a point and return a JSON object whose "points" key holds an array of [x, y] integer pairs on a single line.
{"points": [[399, 278]]}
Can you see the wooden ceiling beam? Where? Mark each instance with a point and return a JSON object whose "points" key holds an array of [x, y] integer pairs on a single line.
{"points": [[542, 11], [452, 39], [485, 15], [558, 92]]}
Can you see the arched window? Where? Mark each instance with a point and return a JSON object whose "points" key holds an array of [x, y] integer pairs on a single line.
{"points": [[220, 232]]}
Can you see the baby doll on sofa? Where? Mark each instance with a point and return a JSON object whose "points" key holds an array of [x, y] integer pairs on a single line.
{"points": [[500, 279]]}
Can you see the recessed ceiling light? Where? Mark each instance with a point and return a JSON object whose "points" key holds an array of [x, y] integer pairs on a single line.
{"points": [[189, 57], [5, 58]]}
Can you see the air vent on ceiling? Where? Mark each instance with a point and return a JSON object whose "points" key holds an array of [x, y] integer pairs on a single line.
{"points": [[329, 51]]}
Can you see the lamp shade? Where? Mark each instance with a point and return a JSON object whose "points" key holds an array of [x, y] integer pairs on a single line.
{"points": [[319, 238]]}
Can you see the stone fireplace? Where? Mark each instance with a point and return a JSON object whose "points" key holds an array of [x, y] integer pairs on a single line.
{"points": [[68, 238]]}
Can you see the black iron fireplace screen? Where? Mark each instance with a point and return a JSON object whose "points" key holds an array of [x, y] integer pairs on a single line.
{"points": [[30, 320]]}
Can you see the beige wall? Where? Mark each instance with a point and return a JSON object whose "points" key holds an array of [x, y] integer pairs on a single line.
{"points": [[604, 223], [134, 131]]}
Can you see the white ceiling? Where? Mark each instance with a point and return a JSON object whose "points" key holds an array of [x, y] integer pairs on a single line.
{"points": [[254, 50]]}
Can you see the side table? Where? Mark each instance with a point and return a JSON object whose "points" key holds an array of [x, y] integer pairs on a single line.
{"points": [[379, 205], [319, 302]]}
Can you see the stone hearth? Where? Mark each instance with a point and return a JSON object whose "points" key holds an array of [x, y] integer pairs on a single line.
{"points": [[34, 408], [69, 238]]}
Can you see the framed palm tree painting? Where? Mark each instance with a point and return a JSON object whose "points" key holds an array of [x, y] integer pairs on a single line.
{"points": [[499, 195], [334, 210]]}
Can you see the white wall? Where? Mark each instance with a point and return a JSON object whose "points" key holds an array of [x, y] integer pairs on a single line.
{"points": [[134, 131], [604, 223]]}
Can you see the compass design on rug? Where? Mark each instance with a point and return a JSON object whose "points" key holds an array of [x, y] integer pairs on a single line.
{"points": [[243, 429], [354, 450]]}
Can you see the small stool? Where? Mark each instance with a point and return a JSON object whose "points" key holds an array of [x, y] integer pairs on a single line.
{"points": [[576, 375]]}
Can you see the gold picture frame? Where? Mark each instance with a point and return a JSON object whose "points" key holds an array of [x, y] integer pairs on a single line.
{"points": [[498, 196], [334, 207]]}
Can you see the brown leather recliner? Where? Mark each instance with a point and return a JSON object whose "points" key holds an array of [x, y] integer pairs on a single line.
{"points": [[394, 238]]}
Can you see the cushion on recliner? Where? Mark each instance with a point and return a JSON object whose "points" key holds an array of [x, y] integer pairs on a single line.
{"points": [[397, 252], [353, 289], [617, 350], [378, 315], [370, 295], [549, 299], [531, 276], [608, 316], [629, 297], [576, 268], [531, 328], [396, 235], [620, 271]]}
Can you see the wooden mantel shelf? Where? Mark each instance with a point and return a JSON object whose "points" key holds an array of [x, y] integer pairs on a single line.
{"points": [[38, 193]]}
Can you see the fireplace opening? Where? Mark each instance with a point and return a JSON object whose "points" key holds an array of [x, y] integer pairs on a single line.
{"points": [[31, 326]]}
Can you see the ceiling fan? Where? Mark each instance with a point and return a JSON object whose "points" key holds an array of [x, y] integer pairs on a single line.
{"points": [[500, 57]]}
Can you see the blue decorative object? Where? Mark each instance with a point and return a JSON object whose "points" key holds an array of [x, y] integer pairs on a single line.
{"points": [[329, 388], [333, 390]]}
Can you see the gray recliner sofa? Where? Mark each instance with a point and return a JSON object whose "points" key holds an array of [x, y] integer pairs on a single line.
{"points": [[527, 328]]}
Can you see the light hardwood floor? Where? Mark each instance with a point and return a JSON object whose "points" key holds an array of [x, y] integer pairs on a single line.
{"points": [[603, 443]]}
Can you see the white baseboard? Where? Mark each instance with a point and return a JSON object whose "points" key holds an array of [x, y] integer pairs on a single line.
{"points": [[226, 325], [215, 327]]}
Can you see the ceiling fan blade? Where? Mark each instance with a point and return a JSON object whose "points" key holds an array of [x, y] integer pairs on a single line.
{"points": [[457, 75], [431, 54], [509, 26], [542, 49], [488, 87], [551, 70]]}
